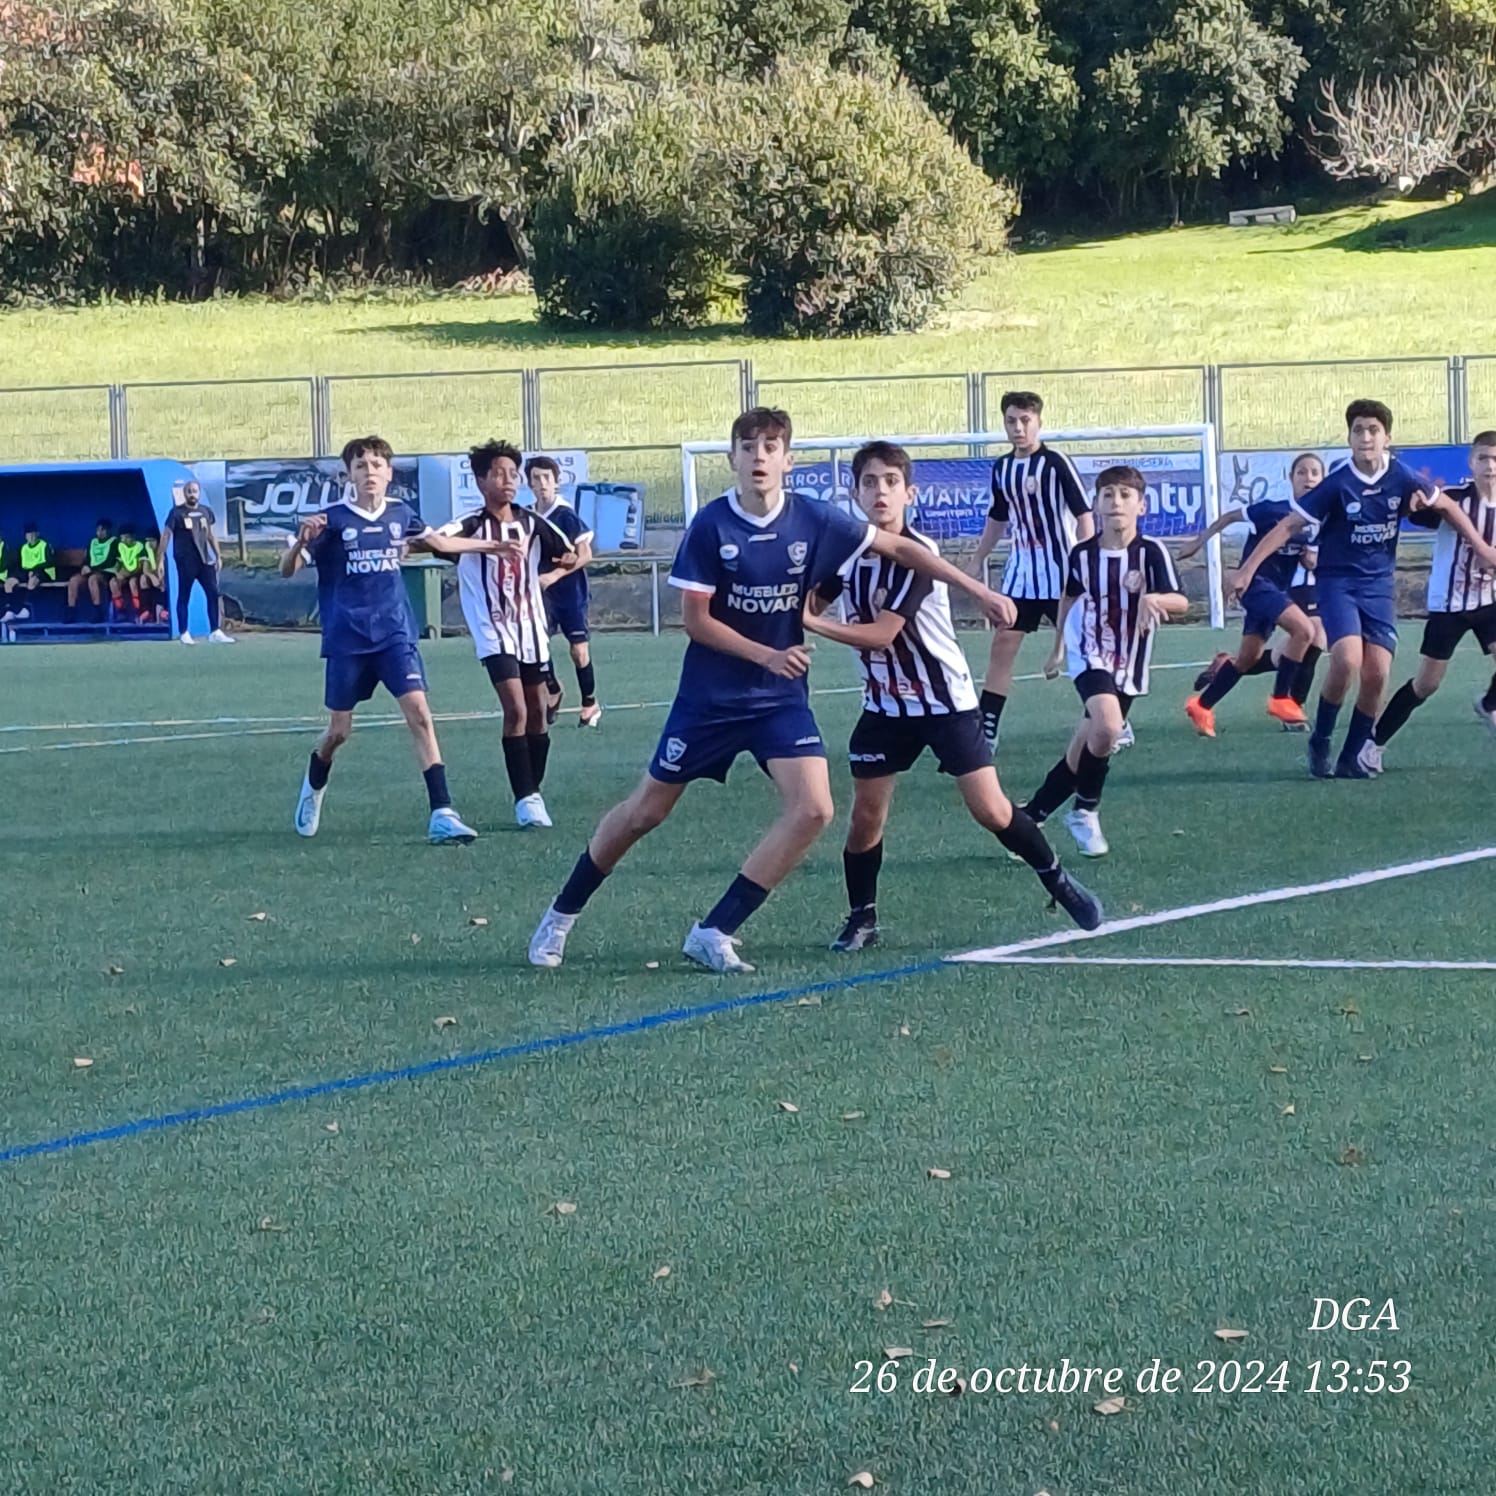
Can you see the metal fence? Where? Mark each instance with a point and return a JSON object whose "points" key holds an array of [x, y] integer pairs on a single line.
{"points": [[631, 417]]}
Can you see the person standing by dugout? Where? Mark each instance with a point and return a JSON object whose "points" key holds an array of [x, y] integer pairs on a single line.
{"points": [[187, 537]]}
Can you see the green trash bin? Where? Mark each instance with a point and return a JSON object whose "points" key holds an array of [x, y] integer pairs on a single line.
{"points": [[423, 586]]}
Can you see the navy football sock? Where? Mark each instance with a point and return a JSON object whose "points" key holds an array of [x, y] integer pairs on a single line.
{"points": [[1288, 675], [1221, 682], [742, 898], [436, 787], [1325, 716], [585, 880], [317, 772], [1357, 735], [1305, 680]]}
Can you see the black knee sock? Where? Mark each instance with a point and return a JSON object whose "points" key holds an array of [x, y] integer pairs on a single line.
{"points": [[1263, 666], [1057, 788], [587, 683], [742, 898], [317, 771], [1395, 714], [1488, 701], [1304, 682], [1023, 836], [585, 880], [520, 766], [436, 787], [540, 753], [1220, 683], [991, 704], [1288, 675], [862, 869], [1090, 778]]}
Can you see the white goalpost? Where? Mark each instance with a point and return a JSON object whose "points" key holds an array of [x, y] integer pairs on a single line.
{"points": [[1170, 504]]}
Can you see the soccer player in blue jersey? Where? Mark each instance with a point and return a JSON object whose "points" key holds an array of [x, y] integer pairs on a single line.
{"points": [[746, 565], [565, 590], [1268, 603], [368, 631], [1359, 509]]}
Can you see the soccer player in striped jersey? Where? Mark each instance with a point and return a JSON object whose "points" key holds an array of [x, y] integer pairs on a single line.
{"points": [[1461, 600], [504, 605], [1121, 587], [917, 694], [1039, 504], [1269, 605]]}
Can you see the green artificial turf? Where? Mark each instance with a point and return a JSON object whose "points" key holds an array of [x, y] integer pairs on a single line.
{"points": [[261, 1303]]}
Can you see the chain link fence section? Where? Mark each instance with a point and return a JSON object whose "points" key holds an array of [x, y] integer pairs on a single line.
{"points": [[1303, 405], [637, 405], [56, 424], [869, 405], [1108, 399], [1478, 396], [229, 418], [428, 412]]}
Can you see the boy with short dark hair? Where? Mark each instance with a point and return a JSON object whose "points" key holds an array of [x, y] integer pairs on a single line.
{"points": [[504, 607], [368, 630], [97, 571], [565, 590], [917, 694], [1039, 503], [1359, 509], [38, 564], [1122, 585], [129, 572], [1461, 600], [746, 565]]}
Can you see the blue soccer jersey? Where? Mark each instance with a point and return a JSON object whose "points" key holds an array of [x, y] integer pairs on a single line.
{"points": [[758, 573], [569, 592], [1278, 569], [360, 591], [1358, 519]]}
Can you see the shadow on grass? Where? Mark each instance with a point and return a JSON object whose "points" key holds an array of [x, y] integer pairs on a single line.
{"points": [[1470, 224]]}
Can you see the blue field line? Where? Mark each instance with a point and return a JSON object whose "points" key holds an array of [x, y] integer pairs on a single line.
{"points": [[455, 1062]]}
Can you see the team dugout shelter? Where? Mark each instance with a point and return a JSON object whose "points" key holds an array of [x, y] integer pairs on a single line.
{"points": [[67, 501]]}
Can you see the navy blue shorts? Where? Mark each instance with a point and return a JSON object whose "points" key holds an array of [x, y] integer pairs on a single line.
{"points": [[567, 616], [693, 748], [353, 678], [1265, 604], [1351, 609]]}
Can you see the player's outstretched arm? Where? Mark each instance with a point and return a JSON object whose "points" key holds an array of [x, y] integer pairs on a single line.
{"points": [[926, 563], [300, 551], [1457, 519], [878, 634], [702, 628], [1239, 580], [1215, 527], [440, 544]]}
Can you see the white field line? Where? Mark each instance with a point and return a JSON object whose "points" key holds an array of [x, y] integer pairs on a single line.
{"points": [[383, 721], [996, 954], [1288, 963]]}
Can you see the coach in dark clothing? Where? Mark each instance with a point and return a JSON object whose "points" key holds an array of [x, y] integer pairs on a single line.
{"points": [[187, 535]]}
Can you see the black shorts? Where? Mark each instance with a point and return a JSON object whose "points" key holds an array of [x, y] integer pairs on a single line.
{"points": [[1305, 598], [1034, 611], [1443, 632], [882, 745], [1100, 683], [511, 667]]}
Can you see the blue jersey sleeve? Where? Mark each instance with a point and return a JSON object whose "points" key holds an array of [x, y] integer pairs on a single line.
{"points": [[1263, 515], [842, 540], [412, 522], [1407, 483], [1321, 501], [697, 564]]}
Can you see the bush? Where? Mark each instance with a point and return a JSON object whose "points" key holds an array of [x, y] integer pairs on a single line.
{"points": [[856, 211], [620, 239]]}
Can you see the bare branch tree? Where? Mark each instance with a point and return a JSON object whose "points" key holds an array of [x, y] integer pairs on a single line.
{"points": [[1404, 130]]}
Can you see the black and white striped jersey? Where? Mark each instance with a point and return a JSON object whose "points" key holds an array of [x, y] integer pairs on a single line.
{"points": [[1040, 497], [502, 601], [1458, 581], [923, 672], [1105, 629]]}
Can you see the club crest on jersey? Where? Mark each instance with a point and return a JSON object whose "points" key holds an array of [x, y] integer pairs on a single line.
{"points": [[1353, 506], [799, 550], [394, 529], [674, 750], [880, 596], [350, 535], [728, 552], [1031, 484]]}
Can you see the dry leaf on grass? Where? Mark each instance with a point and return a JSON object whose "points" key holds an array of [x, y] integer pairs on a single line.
{"points": [[1365, 1059], [651, 966], [1349, 1009], [661, 1272], [936, 1324], [269, 1223], [414, 938], [794, 1368], [813, 1000], [116, 971], [863, 1480], [330, 1127], [1277, 1069], [1109, 1405], [478, 922], [561, 1208], [506, 1476], [903, 1031], [1052, 1425], [446, 1021], [885, 1299], [702, 1377], [227, 961], [1241, 1012], [260, 918], [1352, 1157], [1288, 1111], [1231, 1334], [897, 1353], [82, 1062], [787, 1106], [958, 1389], [853, 1116], [938, 1173]]}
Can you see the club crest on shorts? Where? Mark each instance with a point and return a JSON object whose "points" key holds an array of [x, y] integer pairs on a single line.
{"points": [[674, 750]]}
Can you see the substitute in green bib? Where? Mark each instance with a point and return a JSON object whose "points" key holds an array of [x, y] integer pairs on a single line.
{"points": [[129, 573], [38, 564], [97, 570]]}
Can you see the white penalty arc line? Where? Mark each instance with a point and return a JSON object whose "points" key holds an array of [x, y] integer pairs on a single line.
{"points": [[997, 954], [382, 721], [1287, 963]]}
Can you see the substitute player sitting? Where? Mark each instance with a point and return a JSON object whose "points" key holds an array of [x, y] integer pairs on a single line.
{"points": [[1461, 600], [368, 630], [917, 694], [746, 565], [1268, 603]]}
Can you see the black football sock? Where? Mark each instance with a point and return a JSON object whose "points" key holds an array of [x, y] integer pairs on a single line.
{"points": [[991, 704], [1305, 681], [1221, 682], [1356, 736], [520, 766], [862, 869], [1022, 836], [585, 880], [587, 683], [540, 753], [1090, 778], [1057, 788], [1264, 665], [1325, 715], [742, 898], [1395, 714], [436, 787], [1488, 701], [1288, 675], [317, 771]]}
